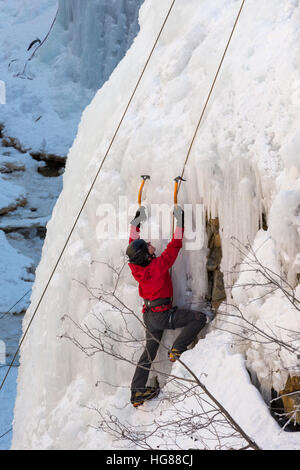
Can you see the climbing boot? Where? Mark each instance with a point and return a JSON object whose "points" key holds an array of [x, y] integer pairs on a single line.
{"points": [[174, 354], [138, 398]]}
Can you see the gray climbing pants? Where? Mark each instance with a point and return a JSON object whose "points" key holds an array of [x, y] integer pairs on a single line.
{"points": [[156, 322]]}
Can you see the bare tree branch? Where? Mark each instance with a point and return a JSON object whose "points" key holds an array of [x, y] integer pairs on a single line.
{"points": [[211, 416]]}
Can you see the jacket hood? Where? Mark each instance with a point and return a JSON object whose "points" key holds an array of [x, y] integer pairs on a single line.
{"points": [[140, 273]]}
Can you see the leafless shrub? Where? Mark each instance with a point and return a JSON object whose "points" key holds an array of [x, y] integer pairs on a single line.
{"points": [[207, 425], [274, 338]]}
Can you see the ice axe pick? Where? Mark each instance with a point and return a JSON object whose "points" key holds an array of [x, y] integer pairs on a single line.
{"points": [[145, 177]]}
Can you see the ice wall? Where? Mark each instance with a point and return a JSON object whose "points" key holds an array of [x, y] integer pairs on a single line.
{"points": [[90, 37], [237, 169]]}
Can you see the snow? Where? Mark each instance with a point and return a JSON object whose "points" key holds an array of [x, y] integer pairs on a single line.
{"points": [[12, 195], [7, 406], [20, 245], [47, 90], [286, 208], [14, 278], [269, 312], [242, 164]]}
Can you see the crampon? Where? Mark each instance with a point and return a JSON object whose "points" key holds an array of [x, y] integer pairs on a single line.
{"points": [[174, 354], [139, 398]]}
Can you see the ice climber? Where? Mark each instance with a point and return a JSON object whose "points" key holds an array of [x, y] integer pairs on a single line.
{"points": [[156, 289]]}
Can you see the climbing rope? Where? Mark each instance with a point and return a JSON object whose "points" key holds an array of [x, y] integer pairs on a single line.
{"points": [[210, 92], [4, 314], [206, 103], [90, 190], [3, 435]]}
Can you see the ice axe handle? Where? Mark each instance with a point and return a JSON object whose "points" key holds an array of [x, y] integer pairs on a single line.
{"points": [[145, 177], [179, 178]]}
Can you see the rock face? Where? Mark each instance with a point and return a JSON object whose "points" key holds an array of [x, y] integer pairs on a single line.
{"points": [[53, 164], [19, 202], [13, 142], [290, 396], [216, 291]]}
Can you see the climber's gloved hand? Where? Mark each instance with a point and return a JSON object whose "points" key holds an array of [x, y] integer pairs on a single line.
{"points": [[139, 217], [179, 216]]}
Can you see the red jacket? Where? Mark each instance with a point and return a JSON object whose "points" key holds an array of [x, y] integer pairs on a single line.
{"points": [[154, 280]]}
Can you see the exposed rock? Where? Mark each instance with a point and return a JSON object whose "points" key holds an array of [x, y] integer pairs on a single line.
{"points": [[13, 142], [290, 396], [49, 158], [216, 291], [16, 236], [50, 170], [263, 223], [54, 164], [10, 167], [37, 228], [18, 203]]}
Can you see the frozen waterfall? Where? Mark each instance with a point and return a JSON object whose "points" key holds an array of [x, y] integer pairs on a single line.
{"points": [[90, 37]]}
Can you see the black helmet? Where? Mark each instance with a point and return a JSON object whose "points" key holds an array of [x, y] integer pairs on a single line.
{"points": [[137, 253]]}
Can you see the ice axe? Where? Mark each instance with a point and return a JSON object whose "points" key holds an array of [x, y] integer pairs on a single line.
{"points": [[145, 177], [177, 179]]}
